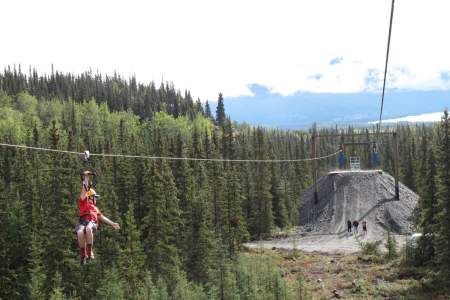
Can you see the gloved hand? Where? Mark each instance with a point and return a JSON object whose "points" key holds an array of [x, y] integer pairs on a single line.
{"points": [[86, 173]]}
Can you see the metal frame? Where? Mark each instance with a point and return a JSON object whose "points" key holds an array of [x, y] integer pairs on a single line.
{"points": [[314, 138]]}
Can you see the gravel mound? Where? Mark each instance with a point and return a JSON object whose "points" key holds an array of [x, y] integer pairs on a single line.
{"points": [[362, 195]]}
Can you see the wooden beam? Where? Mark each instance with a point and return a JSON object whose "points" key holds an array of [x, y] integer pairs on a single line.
{"points": [[314, 167], [355, 134], [357, 143], [396, 171]]}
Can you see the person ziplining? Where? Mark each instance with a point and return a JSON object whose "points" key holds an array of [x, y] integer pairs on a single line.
{"points": [[90, 216]]}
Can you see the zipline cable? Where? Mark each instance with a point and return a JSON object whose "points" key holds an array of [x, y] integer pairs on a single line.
{"points": [[171, 158], [386, 64]]}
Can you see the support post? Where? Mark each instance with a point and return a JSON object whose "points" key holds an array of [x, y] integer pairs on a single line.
{"points": [[314, 166], [396, 171]]}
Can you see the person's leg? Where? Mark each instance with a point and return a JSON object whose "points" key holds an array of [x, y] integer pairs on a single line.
{"points": [[81, 241], [90, 229]]}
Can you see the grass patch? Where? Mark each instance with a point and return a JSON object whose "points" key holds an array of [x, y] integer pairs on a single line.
{"points": [[365, 275]]}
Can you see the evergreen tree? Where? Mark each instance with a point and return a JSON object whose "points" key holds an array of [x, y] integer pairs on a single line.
{"points": [[15, 238], [131, 258], [57, 293], [161, 224], [208, 113], [217, 183], [147, 291], [391, 246], [162, 290], [262, 219], [220, 111], [111, 286], [278, 198], [37, 274], [184, 179], [236, 228], [442, 239], [428, 205]]}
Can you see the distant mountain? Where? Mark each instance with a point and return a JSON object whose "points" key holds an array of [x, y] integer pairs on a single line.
{"points": [[423, 118], [302, 109]]}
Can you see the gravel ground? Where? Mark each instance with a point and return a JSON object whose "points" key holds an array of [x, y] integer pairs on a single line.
{"points": [[363, 196]]}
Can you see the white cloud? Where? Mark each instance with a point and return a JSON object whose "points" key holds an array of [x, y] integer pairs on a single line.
{"points": [[212, 46]]}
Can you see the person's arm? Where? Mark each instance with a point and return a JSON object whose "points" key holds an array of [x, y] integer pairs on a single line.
{"points": [[109, 222], [85, 183]]}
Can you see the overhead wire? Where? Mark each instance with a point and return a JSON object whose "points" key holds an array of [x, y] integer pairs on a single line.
{"points": [[386, 64], [171, 157]]}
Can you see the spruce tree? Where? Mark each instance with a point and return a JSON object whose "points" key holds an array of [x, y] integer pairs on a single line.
{"points": [[428, 205], [184, 179], [217, 183], [147, 290], [111, 286], [57, 293], [236, 228], [131, 258], [15, 236], [37, 273], [278, 198], [443, 196], [220, 111], [161, 224], [262, 219], [208, 112]]}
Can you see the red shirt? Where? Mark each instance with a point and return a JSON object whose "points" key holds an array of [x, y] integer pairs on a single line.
{"points": [[88, 210]]}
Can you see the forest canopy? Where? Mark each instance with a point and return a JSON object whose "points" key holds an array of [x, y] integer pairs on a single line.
{"points": [[183, 221]]}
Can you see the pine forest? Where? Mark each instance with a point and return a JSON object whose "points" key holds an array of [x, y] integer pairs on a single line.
{"points": [[183, 222]]}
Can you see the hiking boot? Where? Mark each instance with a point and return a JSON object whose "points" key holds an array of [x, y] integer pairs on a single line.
{"points": [[91, 257]]}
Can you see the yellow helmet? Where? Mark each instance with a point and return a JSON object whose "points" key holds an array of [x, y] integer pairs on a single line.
{"points": [[92, 193]]}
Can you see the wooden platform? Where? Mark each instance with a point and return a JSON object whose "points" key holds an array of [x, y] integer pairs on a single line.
{"points": [[355, 171]]}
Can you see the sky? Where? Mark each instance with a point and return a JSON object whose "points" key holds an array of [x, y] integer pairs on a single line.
{"points": [[207, 47]]}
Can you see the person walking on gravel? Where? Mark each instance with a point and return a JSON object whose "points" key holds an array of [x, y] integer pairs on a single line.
{"points": [[364, 224], [355, 226], [349, 226]]}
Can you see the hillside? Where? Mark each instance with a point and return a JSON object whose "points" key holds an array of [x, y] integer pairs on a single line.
{"points": [[363, 195]]}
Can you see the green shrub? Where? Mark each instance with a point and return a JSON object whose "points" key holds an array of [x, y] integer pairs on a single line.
{"points": [[370, 248], [391, 246]]}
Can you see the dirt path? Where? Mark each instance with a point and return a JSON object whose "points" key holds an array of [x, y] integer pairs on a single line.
{"points": [[326, 243]]}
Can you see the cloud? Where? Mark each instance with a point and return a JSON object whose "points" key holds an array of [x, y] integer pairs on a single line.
{"points": [[316, 76], [259, 90], [336, 60], [212, 46], [372, 80]]}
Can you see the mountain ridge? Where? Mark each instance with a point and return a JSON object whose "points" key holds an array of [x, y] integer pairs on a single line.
{"points": [[302, 109]]}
